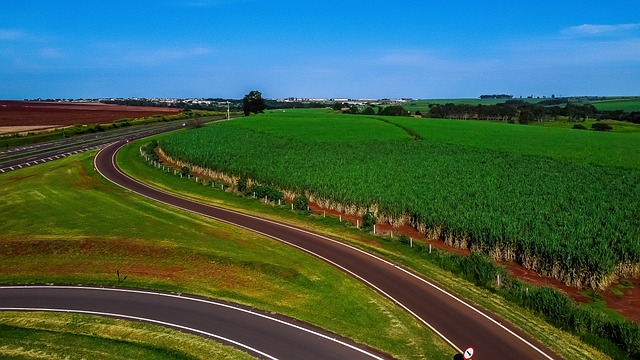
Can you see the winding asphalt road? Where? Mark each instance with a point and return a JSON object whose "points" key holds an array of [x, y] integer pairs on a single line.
{"points": [[457, 322], [262, 335]]}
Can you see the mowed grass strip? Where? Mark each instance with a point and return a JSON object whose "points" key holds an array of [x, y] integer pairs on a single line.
{"points": [[72, 336], [63, 223]]}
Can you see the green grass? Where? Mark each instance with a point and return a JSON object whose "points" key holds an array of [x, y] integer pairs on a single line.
{"points": [[63, 223], [581, 147], [553, 200], [72, 336], [618, 126], [321, 125], [627, 105]]}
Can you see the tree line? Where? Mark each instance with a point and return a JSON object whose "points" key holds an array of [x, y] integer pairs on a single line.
{"points": [[510, 111], [525, 112]]}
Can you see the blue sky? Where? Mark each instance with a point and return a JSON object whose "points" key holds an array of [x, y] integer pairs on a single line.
{"points": [[356, 49]]}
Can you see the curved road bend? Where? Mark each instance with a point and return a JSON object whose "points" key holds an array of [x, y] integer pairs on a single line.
{"points": [[460, 324], [257, 333]]}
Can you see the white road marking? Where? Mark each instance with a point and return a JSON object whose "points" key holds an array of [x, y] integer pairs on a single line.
{"points": [[210, 302], [166, 324]]}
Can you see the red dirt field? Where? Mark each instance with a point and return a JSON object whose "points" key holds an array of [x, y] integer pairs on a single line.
{"points": [[37, 113]]}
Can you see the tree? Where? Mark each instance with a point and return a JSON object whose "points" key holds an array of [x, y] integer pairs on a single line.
{"points": [[394, 110], [253, 103], [600, 126], [368, 111], [301, 202], [526, 116], [353, 109]]}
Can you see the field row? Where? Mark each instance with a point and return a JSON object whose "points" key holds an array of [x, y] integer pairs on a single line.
{"points": [[561, 217]]}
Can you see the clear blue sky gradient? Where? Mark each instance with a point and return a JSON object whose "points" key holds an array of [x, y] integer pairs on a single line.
{"points": [[355, 49]]}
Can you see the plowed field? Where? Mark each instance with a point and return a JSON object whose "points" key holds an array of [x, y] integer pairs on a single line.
{"points": [[25, 113]]}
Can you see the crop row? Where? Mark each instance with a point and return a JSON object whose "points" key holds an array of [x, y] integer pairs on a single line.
{"points": [[575, 222]]}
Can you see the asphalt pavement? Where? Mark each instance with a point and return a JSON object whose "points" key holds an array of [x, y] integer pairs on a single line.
{"points": [[256, 332]]}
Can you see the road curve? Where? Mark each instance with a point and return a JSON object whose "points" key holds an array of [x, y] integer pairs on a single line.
{"points": [[457, 322], [259, 334]]}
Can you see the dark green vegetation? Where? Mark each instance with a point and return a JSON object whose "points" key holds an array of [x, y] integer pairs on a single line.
{"points": [[625, 104], [549, 210], [527, 111], [71, 336], [593, 323], [253, 103], [614, 335], [63, 223]]}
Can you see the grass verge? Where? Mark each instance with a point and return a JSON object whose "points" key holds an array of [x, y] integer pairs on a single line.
{"points": [[72, 336], [63, 223]]}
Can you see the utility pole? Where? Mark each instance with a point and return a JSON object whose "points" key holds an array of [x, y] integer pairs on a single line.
{"points": [[228, 115]]}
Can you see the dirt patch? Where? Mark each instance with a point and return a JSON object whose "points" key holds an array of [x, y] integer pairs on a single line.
{"points": [[626, 299], [23, 130], [42, 114], [136, 259]]}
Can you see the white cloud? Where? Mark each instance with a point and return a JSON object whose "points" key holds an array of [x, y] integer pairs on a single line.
{"points": [[52, 53], [8, 34], [595, 30], [162, 56], [408, 58], [211, 3]]}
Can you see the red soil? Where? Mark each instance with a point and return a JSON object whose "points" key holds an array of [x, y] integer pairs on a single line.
{"points": [[36, 113], [627, 304]]}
